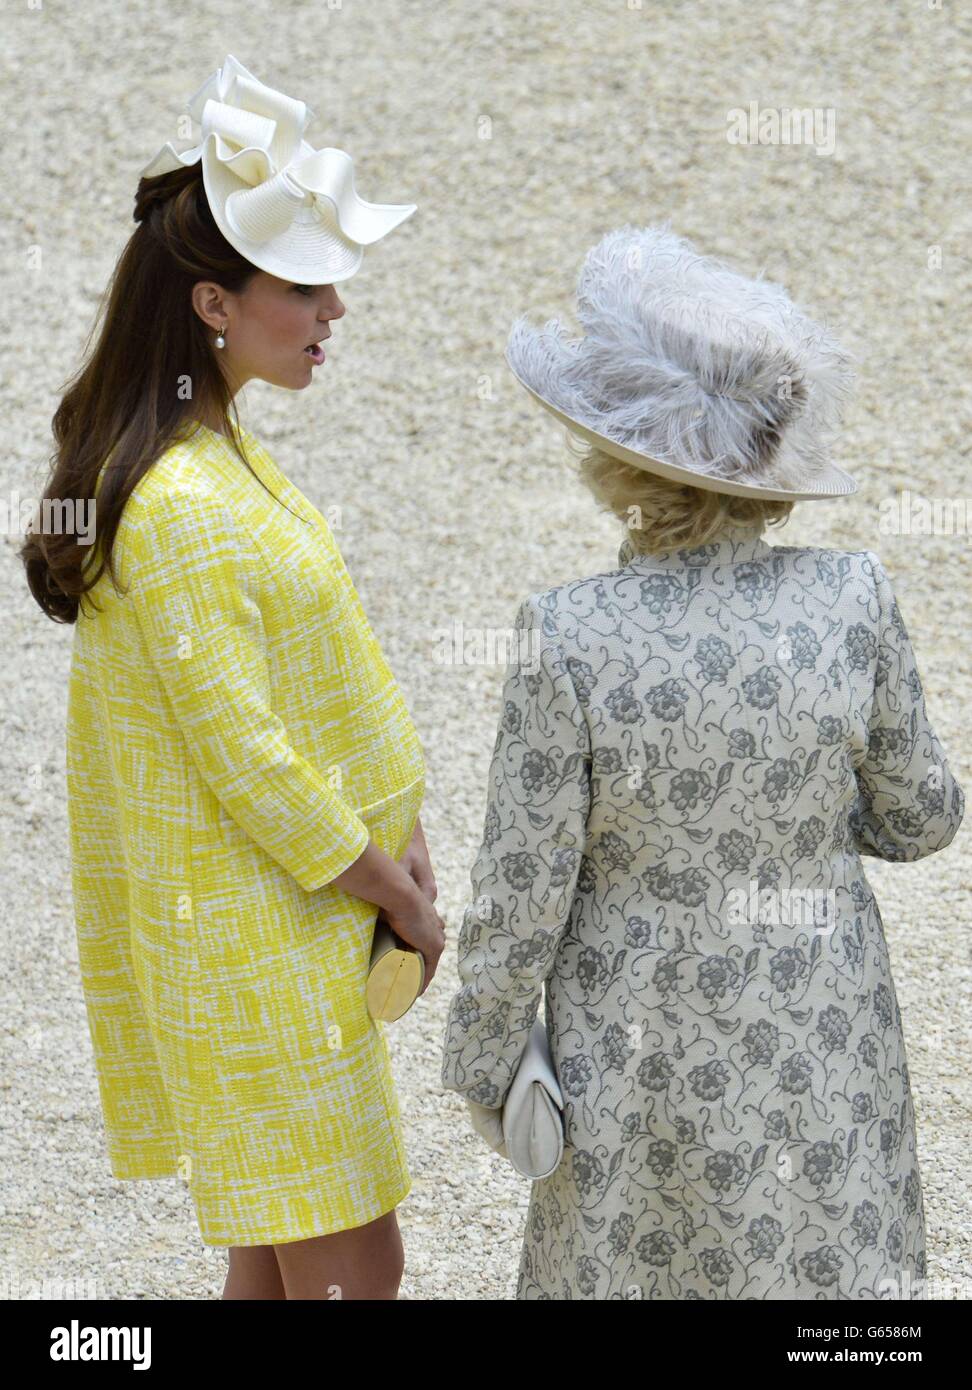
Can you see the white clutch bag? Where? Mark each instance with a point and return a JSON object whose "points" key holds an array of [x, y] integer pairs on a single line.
{"points": [[533, 1121]]}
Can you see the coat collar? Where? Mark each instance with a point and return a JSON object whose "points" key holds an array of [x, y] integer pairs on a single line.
{"points": [[266, 467], [732, 546]]}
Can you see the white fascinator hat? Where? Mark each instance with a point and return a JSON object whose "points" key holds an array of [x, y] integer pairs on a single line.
{"points": [[291, 210], [692, 371]]}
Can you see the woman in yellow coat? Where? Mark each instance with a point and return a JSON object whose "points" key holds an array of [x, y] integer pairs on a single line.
{"points": [[243, 774]]}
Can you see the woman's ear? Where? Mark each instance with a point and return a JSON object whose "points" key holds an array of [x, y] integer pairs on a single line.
{"points": [[209, 304]]}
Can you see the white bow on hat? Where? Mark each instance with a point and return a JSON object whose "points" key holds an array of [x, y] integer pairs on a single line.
{"points": [[289, 209]]}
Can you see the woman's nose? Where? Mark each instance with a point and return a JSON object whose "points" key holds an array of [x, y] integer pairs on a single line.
{"points": [[334, 307]]}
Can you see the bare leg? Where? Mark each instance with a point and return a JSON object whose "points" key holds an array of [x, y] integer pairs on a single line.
{"points": [[253, 1273], [364, 1263]]}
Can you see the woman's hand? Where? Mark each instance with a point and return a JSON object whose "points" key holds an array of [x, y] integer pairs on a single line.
{"points": [[424, 928], [488, 1124], [403, 891], [418, 924], [416, 863]]}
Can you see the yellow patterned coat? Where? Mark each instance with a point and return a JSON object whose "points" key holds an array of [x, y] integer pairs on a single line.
{"points": [[234, 737]]}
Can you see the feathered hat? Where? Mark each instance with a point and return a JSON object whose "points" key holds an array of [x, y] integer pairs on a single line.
{"points": [[692, 371], [289, 209]]}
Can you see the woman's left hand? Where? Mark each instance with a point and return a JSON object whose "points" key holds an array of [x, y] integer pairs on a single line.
{"points": [[415, 861], [488, 1124]]}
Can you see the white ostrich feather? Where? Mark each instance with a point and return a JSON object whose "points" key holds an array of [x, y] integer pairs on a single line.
{"points": [[688, 362]]}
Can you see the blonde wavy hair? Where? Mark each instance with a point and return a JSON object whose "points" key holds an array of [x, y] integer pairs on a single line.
{"points": [[662, 515]]}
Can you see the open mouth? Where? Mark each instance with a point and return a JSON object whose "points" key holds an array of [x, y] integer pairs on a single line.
{"points": [[315, 352]]}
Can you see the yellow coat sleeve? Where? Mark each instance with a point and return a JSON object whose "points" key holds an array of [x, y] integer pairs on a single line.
{"points": [[192, 591]]}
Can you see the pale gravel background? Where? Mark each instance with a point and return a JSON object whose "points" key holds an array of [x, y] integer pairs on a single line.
{"points": [[454, 507]]}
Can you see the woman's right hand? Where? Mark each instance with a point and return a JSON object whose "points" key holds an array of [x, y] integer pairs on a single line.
{"points": [[379, 879], [420, 925]]}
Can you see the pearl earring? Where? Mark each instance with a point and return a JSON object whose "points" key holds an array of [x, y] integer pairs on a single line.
{"points": [[221, 336]]}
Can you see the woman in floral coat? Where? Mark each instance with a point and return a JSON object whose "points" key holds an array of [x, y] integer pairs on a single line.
{"points": [[690, 765]]}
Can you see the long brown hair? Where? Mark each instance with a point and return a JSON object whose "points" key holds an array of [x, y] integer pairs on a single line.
{"points": [[151, 370]]}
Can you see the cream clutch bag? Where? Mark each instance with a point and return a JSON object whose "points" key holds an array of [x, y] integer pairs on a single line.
{"points": [[396, 975], [528, 1129], [533, 1122]]}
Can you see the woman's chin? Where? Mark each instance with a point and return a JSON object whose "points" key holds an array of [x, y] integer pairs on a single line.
{"points": [[300, 383]]}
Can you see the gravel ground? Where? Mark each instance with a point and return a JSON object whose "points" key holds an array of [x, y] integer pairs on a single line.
{"points": [[523, 132]]}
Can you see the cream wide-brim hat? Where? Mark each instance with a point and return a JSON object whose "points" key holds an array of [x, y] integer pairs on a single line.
{"points": [[692, 372], [289, 209]]}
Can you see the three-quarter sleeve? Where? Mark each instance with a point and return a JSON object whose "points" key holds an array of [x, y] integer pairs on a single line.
{"points": [[909, 803], [194, 597], [525, 873]]}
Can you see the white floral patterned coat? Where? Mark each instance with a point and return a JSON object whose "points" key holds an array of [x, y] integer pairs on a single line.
{"points": [[682, 788]]}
